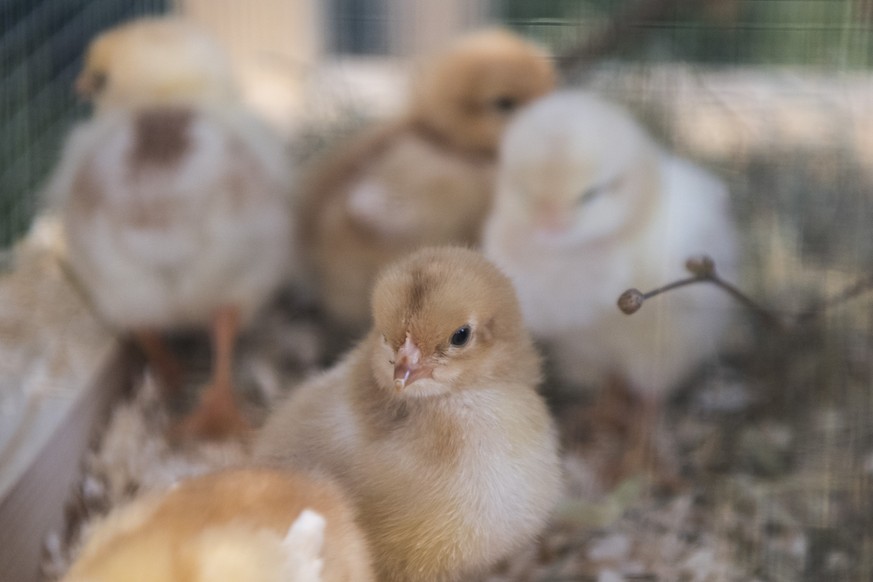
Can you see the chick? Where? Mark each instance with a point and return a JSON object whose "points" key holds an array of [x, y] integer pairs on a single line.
{"points": [[156, 61], [425, 179], [254, 524], [588, 205], [432, 423], [175, 210]]}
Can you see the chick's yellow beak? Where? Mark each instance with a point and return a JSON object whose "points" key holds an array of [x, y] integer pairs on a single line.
{"points": [[408, 365]]}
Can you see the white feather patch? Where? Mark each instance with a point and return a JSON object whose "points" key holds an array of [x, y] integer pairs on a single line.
{"points": [[303, 546], [371, 203]]}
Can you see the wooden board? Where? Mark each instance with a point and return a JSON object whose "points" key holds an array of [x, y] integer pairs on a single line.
{"points": [[34, 505]]}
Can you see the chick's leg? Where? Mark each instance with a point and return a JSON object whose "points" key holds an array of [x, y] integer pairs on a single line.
{"points": [[161, 360], [644, 454], [640, 452], [217, 414]]}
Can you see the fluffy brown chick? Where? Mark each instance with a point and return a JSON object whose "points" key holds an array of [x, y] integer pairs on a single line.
{"points": [[425, 179], [260, 525], [466, 95], [433, 423]]}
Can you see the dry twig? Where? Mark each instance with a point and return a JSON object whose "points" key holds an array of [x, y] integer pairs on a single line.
{"points": [[702, 270]]}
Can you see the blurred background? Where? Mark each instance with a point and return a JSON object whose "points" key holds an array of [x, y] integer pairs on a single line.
{"points": [[742, 53]]}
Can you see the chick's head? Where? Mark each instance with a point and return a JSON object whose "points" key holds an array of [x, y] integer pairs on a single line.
{"points": [[446, 319], [467, 94], [155, 61], [574, 169]]}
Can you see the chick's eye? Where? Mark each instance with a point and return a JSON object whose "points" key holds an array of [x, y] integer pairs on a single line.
{"points": [[461, 336], [98, 82], [505, 104], [590, 194]]}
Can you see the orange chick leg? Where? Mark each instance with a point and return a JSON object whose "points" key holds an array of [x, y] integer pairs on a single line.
{"points": [[640, 445], [642, 454], [634, 419], [614, 408], [217, 414], [164, 364]]}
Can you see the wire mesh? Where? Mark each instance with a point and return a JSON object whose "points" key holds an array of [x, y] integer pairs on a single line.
{"points": [[41, 46], [832, 33]]}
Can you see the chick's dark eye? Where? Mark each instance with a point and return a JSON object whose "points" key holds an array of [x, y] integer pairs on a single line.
{"points": [[98, 82], [590, 194], [461, 336], [505, 104]]}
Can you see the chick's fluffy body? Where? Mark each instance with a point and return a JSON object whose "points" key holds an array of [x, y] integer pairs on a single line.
{"points": [[589, 206], [243, 524], [426, 179], [172, 212], [452, 472]]}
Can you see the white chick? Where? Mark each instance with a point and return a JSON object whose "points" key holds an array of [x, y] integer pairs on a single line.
{"points": [[432, 423], [175, 211], [425, 179], [588, 205], [256, 524]]}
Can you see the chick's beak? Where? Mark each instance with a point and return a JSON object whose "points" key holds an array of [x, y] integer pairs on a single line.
{"points": [[552, 219], [408, 365]]}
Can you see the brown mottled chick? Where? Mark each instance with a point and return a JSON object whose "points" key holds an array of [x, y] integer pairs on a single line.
{"points": [[174, 202], [433, 423], [425, 179], [259, 525]]}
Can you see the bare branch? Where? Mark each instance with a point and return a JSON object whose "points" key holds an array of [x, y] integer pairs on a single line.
{"points": [[702, 270]]}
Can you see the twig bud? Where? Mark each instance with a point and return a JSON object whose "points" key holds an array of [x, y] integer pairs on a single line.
{"points": [[631, 301], [701, 267]]}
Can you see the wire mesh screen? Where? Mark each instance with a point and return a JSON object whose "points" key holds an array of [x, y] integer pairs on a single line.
{"points": [[41, 46], [359, 27], [833, 33]]}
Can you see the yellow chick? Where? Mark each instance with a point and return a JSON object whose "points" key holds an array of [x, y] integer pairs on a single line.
{"points": [[426, 179], [257, 525], [175, 208], [588, 205], [433, 423], [156, 61]]}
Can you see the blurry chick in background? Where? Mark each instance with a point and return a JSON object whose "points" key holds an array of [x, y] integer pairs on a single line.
{"points": [[432, 423], [425, 179], [174, 201], [257, 525], [156, 61], [588, 205]]}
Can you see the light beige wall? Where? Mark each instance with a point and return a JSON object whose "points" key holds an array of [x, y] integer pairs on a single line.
{"points": [[279, 51], [275, 44], [421, 26]]}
